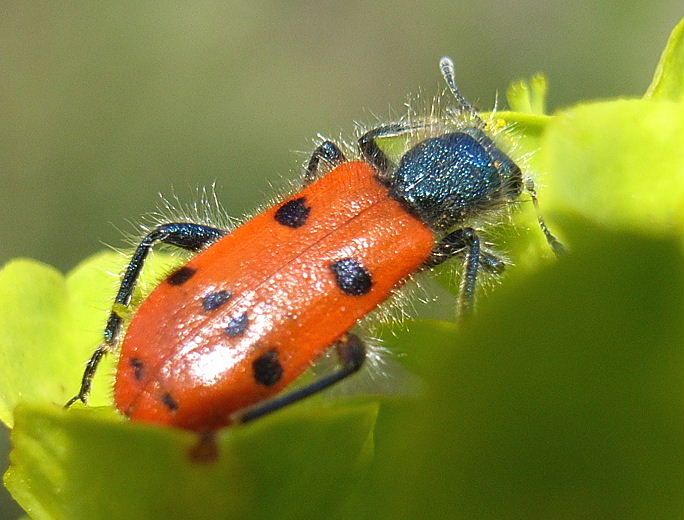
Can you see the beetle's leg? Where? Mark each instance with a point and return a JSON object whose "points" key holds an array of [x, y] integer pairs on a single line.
{"points": [[466, 295], [330, 153], [465, 243], [188, 236], [351, 352], [372, 152], [454, 245], [556, 245]]}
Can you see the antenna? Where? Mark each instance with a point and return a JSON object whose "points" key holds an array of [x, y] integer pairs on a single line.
{"points": [[446, 65]]}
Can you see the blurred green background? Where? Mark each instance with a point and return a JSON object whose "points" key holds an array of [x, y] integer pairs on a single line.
{"points": [[104, 105]]}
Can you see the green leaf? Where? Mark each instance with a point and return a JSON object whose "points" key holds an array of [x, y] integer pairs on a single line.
{"points": [[86, 464], [526, 123], [618, 163], [31, 319], [52, 324], [563, 398], [528, 97], [668, 80]]}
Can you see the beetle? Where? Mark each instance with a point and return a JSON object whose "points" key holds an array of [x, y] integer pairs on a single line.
{"points": [[219, 340]]}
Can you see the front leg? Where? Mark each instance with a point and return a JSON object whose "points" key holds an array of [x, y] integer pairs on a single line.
{"points": [[555, 244], [192, 237], [373, 153], [465, 243], [454, 245], [327, 151]]}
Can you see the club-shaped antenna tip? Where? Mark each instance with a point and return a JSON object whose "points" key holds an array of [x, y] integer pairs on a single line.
{"points": [[446, 65]]}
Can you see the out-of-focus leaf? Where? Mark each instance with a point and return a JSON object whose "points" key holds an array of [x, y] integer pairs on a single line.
{"points": [[51, 324], [86, 464], [528, 97], [668, 80], [563, 398], [619, 163]]}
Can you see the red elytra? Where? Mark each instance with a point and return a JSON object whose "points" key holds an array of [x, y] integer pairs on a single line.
{"points": [[283, 291], [223, 335]]}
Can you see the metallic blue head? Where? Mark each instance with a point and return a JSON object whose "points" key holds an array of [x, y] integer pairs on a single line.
{"points": [[444, 180]]}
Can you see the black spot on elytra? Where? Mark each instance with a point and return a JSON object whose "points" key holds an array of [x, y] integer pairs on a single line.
{"points": [[352, 277], [214, 300], [138, 368], [237, 325], [169, 402], [182, 275], [267, 368], [294, 213]]}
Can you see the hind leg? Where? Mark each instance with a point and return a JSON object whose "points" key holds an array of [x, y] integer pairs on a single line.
{"points": [[193, 237]]}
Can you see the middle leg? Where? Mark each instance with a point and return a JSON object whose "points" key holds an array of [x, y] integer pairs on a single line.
{"points": [[465, 243]]}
